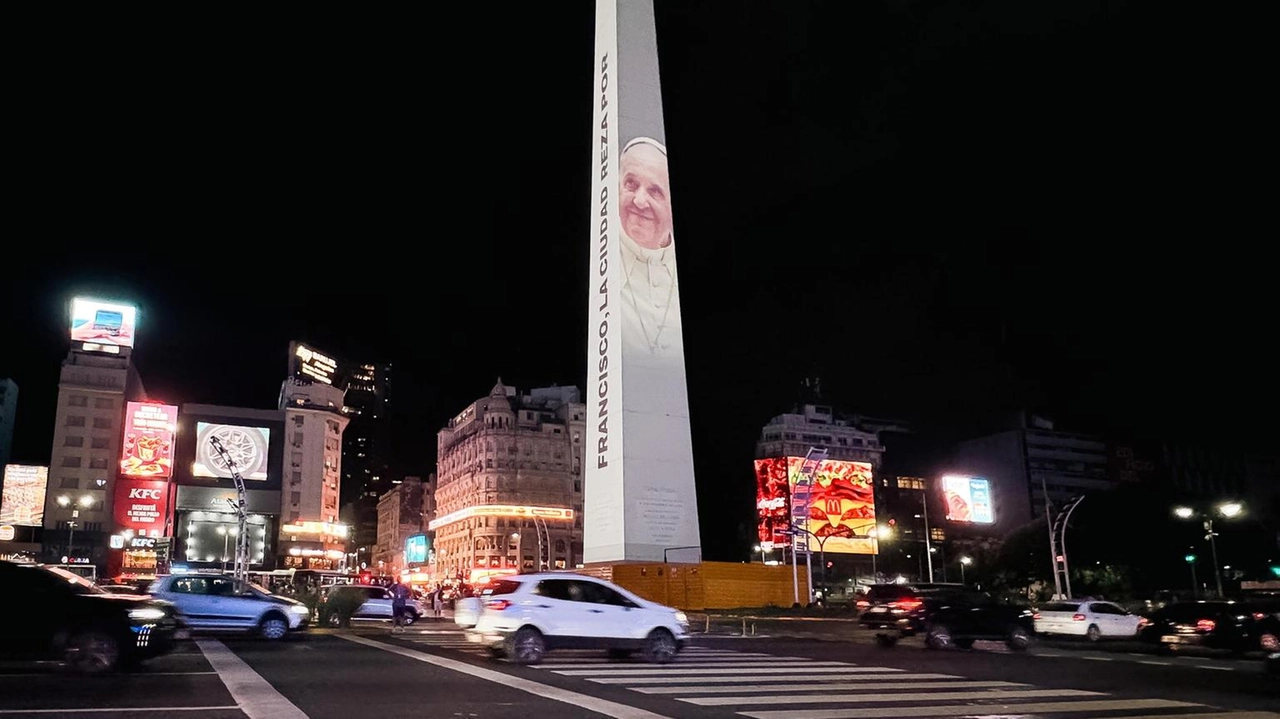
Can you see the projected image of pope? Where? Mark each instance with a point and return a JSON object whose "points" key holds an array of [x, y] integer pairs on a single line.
{"points": [[649, 294]]}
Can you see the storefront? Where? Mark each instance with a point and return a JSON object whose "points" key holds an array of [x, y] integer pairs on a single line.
{"points": [[206, 528]]}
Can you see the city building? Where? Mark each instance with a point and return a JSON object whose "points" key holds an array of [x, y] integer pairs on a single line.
{"points": [[8, 408], [402, 512], [96, 381], [366, 446], [818, 426], [311, 536], [1028, 459], [509, 488], [205, 524]]}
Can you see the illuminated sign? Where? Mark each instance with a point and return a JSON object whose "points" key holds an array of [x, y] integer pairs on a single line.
{"points": [[140, 507], [103, 323], [310, 364], [504, 510], [22, 498], [148, 440], [325, 529], [842, 510], [968, 499], [6, 532], [247, 446], [773, 502], [416, 547]]}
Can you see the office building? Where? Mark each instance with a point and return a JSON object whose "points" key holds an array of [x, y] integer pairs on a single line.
{"points": [[8, 410], [311, 536], [402, 512], [366, 448]]}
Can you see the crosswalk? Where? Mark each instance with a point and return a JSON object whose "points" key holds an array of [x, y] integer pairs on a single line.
{"points": [[763, 686]]}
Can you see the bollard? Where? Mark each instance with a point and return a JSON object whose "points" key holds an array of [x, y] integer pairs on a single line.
{"points": [[744, 626], [707, 629], [753, 629]]}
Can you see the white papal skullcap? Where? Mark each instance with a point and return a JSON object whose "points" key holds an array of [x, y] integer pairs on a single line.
{"points": [[645, 141]]}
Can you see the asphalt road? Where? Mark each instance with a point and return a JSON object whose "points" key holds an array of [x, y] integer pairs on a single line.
{"points": [[432, 672]]}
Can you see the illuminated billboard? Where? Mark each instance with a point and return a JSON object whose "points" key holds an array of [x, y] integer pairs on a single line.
{"points": [[148, 440], [968, 499], [773, 502], [247, 447], [842, 508], [22, 498], [503, 510], [103, 323], [140, 507], [309, 364], [416, 548]]}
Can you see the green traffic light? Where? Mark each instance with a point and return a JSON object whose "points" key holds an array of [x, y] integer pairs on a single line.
{"points": [[1191, 558], [1275, 569]]}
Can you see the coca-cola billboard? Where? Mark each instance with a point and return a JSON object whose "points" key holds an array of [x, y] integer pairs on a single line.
{"points": [[141, 507]]}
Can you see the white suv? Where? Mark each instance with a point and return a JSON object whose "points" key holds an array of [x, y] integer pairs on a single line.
{"points": [[221, 602], [521, 616]]}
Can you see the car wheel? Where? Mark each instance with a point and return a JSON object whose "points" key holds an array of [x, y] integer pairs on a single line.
{"points": [[92, 652], [964, 643], [660, 647], [888, 641], [526, 646], [1269, 642], [273, 627], [1019, 639], [1093, 633], [937, 637]]}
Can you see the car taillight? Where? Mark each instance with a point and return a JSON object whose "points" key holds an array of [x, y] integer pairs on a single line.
{"points": [[1206, 625], [1036, 615], [1259, 616], [863, 603], [906, 605], [497, 605], [1077, 617], [1143, 622]]}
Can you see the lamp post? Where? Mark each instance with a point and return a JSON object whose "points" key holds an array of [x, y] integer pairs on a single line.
{"points": [[880, 533], [760, 549], [515, 536], [1228, 510], [964, 562], [86, 501]]}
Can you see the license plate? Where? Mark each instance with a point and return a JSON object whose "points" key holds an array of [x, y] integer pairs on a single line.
{"points": [[182, 634], [877, 610], [1170, 639]]}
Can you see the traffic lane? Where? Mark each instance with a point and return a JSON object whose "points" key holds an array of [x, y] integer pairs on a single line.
{"points": [[328, 677], [181, 681], [1134, 646], [1245, 689]]}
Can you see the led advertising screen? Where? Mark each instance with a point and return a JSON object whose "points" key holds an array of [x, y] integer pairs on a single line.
{"points": [[968, 499], [247, 447], [773, 502], [309, 364], [22, 498], [148, 440], [104, 323], [842, 507], [416, 548], [140, 507]]}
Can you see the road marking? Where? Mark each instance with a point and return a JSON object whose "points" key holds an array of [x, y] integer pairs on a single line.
{"points": [[585, 701], [680, 662], [254, 695], [1157, 664], [739, 679], [692, 666], [955, 710], [888, 698], [1049, 654], [1212, 715], [792, 687], [764, 666], [102, 710], [1098, 659], [1216, 669]]}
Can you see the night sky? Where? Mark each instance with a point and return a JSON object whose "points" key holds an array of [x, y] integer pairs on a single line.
{"points": [[944, 210]]}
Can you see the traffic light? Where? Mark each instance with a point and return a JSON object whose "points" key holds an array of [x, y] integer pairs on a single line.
{"points": [[1190, 559], [1275, 571]]}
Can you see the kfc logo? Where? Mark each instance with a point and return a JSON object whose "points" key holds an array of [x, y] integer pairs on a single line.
{"points": [[140, 493]]}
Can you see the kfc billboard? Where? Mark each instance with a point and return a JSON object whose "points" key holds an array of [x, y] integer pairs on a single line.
{"points": [[148, 440], [140, 506], [103, 323], [22, 498]]}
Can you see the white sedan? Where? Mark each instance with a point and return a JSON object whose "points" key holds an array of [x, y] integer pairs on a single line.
{"points": [[1080, 618]]}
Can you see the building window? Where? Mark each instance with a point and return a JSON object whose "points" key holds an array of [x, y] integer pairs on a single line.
{"points": [[77, 400], [102, 423], [75, 420], [98, 463], [70, 483], [70, 461], [296, 459], [297, 420], [73, 441], [577, 484], [103, 403], [297, 439], [297, 477], [910, 483], [937, 534], [100, 443]]}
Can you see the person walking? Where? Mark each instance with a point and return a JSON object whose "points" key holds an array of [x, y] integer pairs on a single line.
{"points": [[437, 602], [399, 606]]}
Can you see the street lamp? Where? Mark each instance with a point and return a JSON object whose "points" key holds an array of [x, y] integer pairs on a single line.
{"points": [[964, 562], [85, 501], [1228, 510], [515, 537], [760, 549], [880, 533]]}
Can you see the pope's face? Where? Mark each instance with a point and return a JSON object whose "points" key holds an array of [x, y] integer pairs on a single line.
{"points": [[646, 197]]}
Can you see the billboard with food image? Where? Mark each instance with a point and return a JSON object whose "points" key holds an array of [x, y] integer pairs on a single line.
{"points": [[147, 451], [22, 497], [968, 499]]}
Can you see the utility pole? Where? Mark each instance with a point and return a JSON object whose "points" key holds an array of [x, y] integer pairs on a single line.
{"points": [[1060, 530], [1053, 542], [241, 570], [800, 494], [928, 547]]}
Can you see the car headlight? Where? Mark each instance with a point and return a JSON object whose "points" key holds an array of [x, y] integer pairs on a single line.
{"points": [[300, 609], [681, 618], [147, 614]]}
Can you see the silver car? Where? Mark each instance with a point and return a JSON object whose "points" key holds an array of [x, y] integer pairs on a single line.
{"points": [[220, 602]]}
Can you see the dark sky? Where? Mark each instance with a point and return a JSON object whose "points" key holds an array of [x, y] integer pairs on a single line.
{"points": [[945, 210]]}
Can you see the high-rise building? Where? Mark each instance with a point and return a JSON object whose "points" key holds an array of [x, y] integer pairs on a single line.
{"points": [[401, 513], [311, 537], [509, 487], [366, 470], [8, 408], [818, 426], [94, 385]]}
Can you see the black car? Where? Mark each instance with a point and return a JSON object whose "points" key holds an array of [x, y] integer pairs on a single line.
{"points": [[946, 614], [53, 614], [1238, 627]]}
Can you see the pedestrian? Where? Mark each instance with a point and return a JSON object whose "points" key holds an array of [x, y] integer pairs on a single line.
{"points": [[437, 602], [399, 606]]}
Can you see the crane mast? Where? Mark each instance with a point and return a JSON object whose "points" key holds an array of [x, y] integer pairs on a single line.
{"points": [[241, 571]]}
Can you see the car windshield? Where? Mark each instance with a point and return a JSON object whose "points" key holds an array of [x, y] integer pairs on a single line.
{"points": [[79, 584]]}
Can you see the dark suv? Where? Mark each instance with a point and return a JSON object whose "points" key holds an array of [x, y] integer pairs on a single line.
{"points": [[56, 615], [945, 613], [1237, 627]]}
